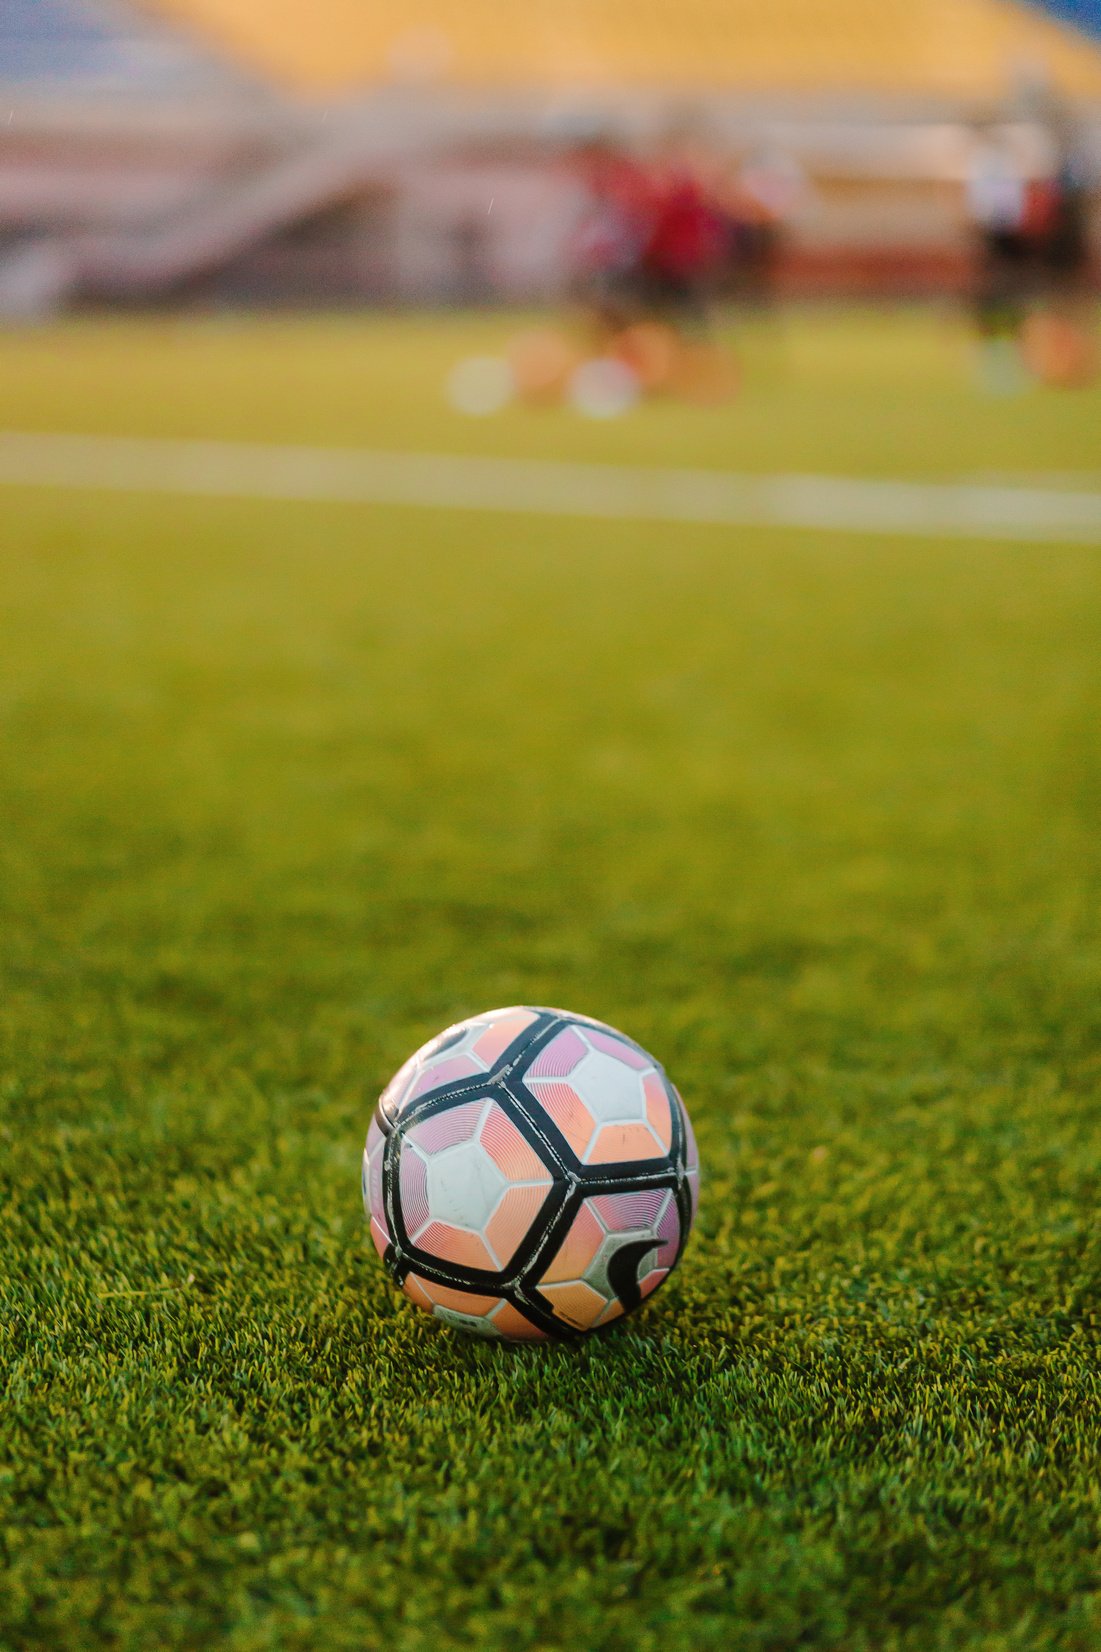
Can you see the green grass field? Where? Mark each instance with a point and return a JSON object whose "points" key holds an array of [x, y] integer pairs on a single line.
{"points": [[286, 788]]}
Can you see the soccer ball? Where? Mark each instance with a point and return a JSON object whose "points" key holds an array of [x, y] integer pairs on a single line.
{"points": [[530, 1174]]}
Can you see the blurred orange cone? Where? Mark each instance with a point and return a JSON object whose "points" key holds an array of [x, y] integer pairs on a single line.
{"points": [[705, 375], [1059, 350], [543, 362], [652, 352]]}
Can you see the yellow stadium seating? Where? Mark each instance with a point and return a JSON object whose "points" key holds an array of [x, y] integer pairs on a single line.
{"points": [[945, 48]]}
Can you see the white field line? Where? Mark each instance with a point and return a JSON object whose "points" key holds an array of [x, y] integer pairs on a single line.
{"points": [[544, 487]]}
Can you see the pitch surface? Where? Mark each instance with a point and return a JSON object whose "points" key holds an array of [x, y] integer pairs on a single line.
{"points": [[288, 787]]}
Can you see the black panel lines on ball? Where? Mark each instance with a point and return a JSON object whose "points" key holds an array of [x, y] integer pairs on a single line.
{"points": [[569, 1018], [637, 1176], [450, 1087], [678, 1142], [623, 1267], [684, 1213], [533, 1308], [391, 1204], [550, 1239], [530, 1040], [485, 1281], [501, 1111], [540, 1129], [531, 1129], [529, 1104], [442, 1100], [532, 1312], [455, 1274]]}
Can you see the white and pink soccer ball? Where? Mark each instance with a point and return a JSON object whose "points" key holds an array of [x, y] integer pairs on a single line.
{"points": [[530, 1174]]}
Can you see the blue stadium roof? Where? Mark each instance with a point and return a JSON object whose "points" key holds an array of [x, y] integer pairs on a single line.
{"points": [[97, 45], [1084, 14]]}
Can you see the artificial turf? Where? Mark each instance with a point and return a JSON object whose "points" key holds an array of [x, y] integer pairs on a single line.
{"points": [[286, 788]]}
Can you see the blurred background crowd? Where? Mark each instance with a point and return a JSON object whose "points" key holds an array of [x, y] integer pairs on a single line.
{"points": [[644, 161]]}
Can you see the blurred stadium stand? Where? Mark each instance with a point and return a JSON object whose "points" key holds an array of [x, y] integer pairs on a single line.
{"points": [[219, 151], [66, 46], [51, 41], [901, 47]]}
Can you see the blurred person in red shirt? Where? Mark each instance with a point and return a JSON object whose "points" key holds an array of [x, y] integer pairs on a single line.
{"points": [[615, 227], [648, 251], [687, 245]]}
